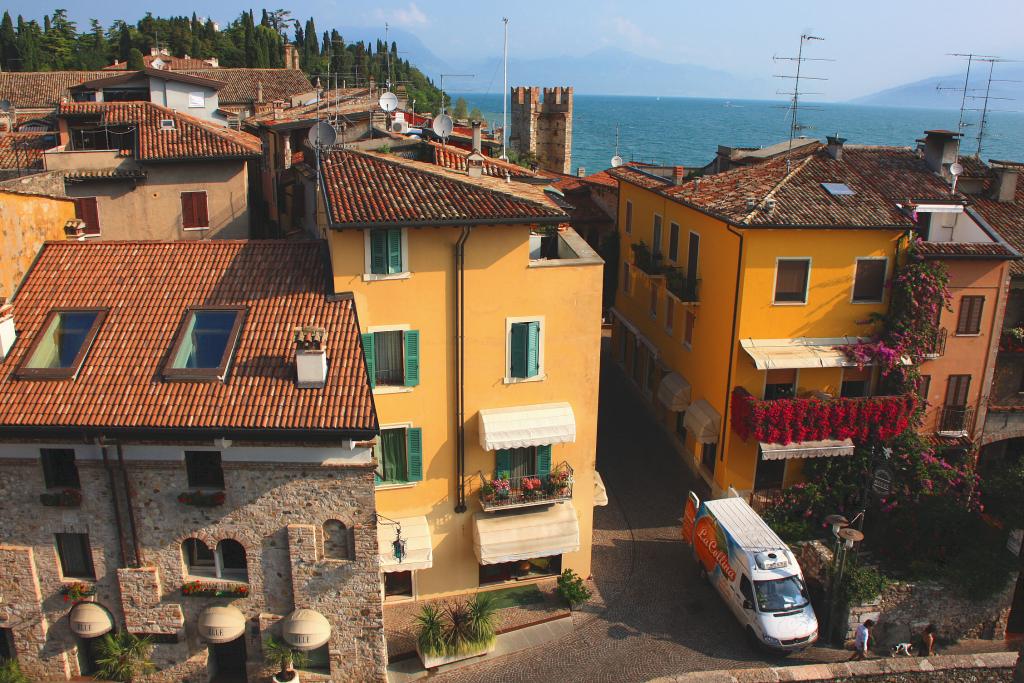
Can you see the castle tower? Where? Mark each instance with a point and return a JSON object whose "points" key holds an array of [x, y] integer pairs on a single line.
{"points": [[543, 127]]}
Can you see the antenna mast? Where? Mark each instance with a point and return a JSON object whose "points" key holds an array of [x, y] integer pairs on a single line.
{"points": [[983, 118], [794, 95], [504, 96]]}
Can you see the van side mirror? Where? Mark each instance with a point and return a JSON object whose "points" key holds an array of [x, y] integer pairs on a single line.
{"points": [[747, 605]]}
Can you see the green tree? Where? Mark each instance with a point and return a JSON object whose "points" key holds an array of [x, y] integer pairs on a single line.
{"points": [[460, 111], [135, 61], [476, 114], [124, 657], [10, 55]]}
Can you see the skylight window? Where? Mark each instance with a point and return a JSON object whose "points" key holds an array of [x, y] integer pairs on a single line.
{"points": [[60, 347], [838, 189], [204, 344]]}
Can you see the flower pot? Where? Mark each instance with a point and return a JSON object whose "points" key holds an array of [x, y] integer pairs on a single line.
{"points": [[276, 678], [430, 661]]}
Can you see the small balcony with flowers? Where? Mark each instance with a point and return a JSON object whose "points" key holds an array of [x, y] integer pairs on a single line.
{"points": [[506, 491], [684, 287]]}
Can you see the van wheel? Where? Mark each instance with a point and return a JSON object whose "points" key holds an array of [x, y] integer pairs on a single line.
{"points": [[754, 641]]}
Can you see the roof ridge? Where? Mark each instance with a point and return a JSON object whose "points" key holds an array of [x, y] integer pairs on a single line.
{"points": [[789, 176]]}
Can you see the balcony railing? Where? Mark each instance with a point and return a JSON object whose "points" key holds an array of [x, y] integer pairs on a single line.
{"points": [[765, 499], [956, 421], [505, 493], [1012, 340], [652, 263], [938, 344], [685, 288]]}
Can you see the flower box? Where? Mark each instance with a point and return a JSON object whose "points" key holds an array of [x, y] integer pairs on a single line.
{"points": [[434, 661], [68, 498], [77, 591], [211, 589], [201, 499]]}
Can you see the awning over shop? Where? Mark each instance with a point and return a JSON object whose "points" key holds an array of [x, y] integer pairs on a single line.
{"points": [[511, 537], [600, 493], [703, 421], [221, 624], [523, 426], [305, 629], [806, 449], [674, 392], [90, 620], [802, 352], [419, 552]]}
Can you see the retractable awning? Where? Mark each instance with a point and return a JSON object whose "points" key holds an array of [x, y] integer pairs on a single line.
{"points": [[419, 552], [703, 421], [221, 624], [523, 426], [600, 492], [510, 537], [802, 352], [807, 449], [305, 629], [674, 392], [90, 620]]}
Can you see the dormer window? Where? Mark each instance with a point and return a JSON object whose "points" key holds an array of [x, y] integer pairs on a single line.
{"points": [[205, 344], [59, 349], [166, 124]]}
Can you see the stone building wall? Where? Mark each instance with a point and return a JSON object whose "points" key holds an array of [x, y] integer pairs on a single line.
{"points": [[543, 127], [276, 510]]}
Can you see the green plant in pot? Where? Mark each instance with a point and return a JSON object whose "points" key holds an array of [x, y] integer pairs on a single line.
{"points": [[430, 637], [10, 672], [280, 654], [124, 657]]}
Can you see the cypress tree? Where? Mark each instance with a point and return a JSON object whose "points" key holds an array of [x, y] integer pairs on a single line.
{"points": [[10, 56]]}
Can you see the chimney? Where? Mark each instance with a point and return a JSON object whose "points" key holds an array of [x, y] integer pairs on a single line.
{"points": [[310, 357], [153, 52], [581, 172], [291, 56], [678, 173], [1004, 187], [477, 144], [278, 109], [74, 229], [835, 147], [7, 333], [213, 62], [940, 148], [259, 92]]}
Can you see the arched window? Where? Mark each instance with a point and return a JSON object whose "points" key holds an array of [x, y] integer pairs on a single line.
{"points": [[337, 541], [199, 559], [231, 556], [226, 562]]}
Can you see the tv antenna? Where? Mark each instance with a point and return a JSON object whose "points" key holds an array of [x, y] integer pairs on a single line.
{"points": [[387, 46], [963, 90], [451, 76], [986, 98], [504, 95], [794, 95]]}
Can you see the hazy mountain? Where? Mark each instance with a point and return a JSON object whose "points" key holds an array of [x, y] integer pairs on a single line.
{"points": [[611, 71], [410, 47], [925, 93]]}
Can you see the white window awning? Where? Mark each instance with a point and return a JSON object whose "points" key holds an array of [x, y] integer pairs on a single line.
{"points": [[305, 629], [674, 392], [807, 449], [600, 492], [221, 624], [801, 352], [419, 551], [90, 620], [523, 426], [703, 421], [515, 536]]}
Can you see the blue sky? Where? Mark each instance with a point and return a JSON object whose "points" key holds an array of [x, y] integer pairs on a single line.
{"points": [[876, 43]]}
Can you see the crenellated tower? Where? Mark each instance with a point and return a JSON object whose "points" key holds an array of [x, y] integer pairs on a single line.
{"points": [[543, 127]]}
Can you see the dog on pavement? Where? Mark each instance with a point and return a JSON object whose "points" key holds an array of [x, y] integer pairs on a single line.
{"points": [[900, 648]]}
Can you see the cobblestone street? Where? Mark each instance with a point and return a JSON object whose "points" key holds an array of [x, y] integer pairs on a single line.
{"points": [[653, 615]]}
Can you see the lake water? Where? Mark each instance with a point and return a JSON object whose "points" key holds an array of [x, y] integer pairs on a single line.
{"points": [[687, 131]]}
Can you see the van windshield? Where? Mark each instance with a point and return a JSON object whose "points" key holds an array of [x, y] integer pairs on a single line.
{"points": [[780, 595]]}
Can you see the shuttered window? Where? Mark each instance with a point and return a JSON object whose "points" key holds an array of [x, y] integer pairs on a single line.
{"points": [[673, 241], [656, 237], [399, 454], [869, 280], [969, 321], [629, 217], [75, 556], [393, 357], [516, 463], [956, 391], [791, 280], [59, 468], [194, 211], [386, 256], [87, 210], [924, 383], [524, 350]]}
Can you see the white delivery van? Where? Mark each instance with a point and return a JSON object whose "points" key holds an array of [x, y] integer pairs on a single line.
{"points": [[753, 570]]}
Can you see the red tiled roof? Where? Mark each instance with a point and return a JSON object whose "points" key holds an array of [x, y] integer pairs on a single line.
{"points": [[172, 63], [366, 189], [164, 74], [42, 89], [981, 250], [1006, 218], [242, 86], [25, 150], [339, 101], [190, 139], [146, 287], [454, 158]]}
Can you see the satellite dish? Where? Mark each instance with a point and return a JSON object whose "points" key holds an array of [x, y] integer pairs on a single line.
{"points": [[5, 105], [443, 126], [616, 161], [956, 168], [322, 135], [388, 101]]}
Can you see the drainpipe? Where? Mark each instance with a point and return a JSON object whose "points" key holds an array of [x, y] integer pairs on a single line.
{"points": [[460, 370], [117, 505], [131, 506], [732, 353]]}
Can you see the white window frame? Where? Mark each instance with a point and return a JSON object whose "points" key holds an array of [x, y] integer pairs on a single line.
{"points": [[190, 191], [218, 562], [399, 598], [853, 282], [192, 101], [628, 217], [807, 284], [541, 374], [402, 485], [369, 276], [390, 388]]}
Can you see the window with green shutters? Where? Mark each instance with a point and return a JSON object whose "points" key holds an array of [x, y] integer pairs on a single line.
{"points": [[386, 256], [393, 358], [524, 350], [399, 454], [516, 463]]}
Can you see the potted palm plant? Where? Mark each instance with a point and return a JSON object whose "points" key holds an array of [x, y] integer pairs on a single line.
{"points": [[460, 631], [281, 655], [124, 657]]}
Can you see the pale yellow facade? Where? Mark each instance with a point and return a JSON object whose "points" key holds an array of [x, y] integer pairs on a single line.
{"points": [[26, 221]]}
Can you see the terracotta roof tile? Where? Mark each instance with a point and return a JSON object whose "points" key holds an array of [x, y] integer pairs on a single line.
{"points": [[454, 158], [42, 89], [25, 150], [147, 287], [981, 250], [170, 62], [340, 101], [1006, 218], [242, 86], [191, 138], [365, 189]]}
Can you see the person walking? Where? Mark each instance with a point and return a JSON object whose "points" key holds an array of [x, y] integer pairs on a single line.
{"points": [[927, 646], [861, 639]]}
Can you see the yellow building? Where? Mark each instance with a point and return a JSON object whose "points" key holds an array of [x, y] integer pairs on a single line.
{"points": [[753, 279], [481, 316], [27, 220]]}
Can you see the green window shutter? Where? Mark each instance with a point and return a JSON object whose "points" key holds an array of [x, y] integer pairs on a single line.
{"points": [[532, 349], [378, 474], [414, 449], [379, 252], [394, 236], [371, 358], [412, 357], [502, 461], [519, 349], [543, 460]]}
